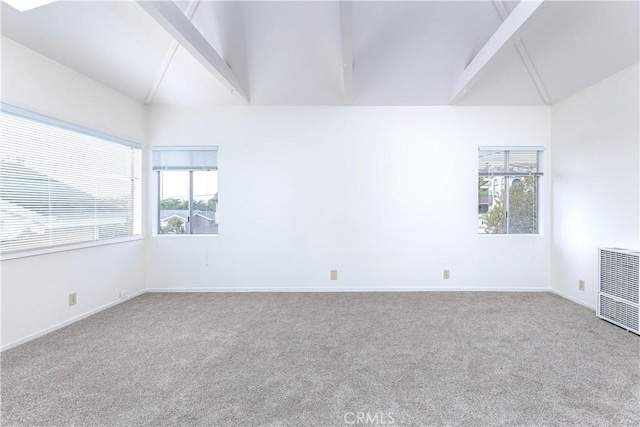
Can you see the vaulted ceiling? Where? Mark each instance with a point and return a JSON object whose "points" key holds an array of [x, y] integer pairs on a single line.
{"points": [[293, 52]]}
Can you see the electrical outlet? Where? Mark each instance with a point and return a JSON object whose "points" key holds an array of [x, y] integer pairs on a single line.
{"points": [[334, 274], [122, 294], [445, 274], [72, 299], [581, 285]]}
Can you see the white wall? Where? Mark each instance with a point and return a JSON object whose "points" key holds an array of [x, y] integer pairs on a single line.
{"points": [[35, 289], [595, 138], [385, 195]]}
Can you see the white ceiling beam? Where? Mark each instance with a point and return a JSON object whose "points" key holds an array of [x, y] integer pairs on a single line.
{"points": [[173, 47], [346, 29], [171, 18], [503, 37], [524, 55], [27, 5]]}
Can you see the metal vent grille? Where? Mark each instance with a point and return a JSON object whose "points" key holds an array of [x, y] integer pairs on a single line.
{"points": [[619, 275], [621, 313]]}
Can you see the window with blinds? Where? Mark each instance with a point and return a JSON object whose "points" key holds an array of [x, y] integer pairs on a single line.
{"points": [[187, 189], [61, 184], [509, 190]]}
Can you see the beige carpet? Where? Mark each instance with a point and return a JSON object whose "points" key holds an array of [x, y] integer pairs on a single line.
{"points": [[295, 359]]}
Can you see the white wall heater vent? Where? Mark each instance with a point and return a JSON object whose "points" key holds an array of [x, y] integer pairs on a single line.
{"points": [[619, 288]]}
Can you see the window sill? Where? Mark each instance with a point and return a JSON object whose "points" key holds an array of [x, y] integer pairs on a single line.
{"points": [[510, 235], [65, 248], [173, 236]]}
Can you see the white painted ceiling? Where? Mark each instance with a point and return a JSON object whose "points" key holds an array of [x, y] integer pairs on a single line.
{"points": [[290, 52], [115, 43]]}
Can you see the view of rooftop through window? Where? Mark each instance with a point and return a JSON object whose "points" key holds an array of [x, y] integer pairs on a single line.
{"points": [[59, 185], [187, 179], [188, 202]]}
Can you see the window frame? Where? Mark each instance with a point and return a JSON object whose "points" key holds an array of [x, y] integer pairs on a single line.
{"points": [[51, 121], [504, 184], [157, 182]]}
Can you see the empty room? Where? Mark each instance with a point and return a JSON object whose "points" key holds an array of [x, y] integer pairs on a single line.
{"points": [[320, 213]]}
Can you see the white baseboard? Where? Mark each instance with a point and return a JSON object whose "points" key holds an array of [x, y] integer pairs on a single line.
{"points": [[68, 322], [262, 289], [572, 299], [343, 289]]}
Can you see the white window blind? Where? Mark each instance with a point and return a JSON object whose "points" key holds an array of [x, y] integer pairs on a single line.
{"points": [[185, 158], [502, 161], [61, 184]]}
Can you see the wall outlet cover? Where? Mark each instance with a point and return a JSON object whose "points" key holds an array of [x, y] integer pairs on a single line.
{"points": [[73, 299], [445, 274], [334, 274]]}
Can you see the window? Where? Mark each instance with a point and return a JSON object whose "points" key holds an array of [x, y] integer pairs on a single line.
{"points": [[187, 189], [61, 184], [509, 190]]}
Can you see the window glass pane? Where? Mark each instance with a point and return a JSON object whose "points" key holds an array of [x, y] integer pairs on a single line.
{"points": [[204, 204], [188, 179], [60, 185], [491, 215], [490, 162], [508, 199], [174, 202], [484, 196], [523, 205], [523, 162]]}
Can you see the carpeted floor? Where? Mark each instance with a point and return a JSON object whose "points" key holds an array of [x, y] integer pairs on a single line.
{"points": [[305, 359]]}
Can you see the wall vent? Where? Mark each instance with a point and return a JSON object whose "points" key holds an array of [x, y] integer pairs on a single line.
{"points": [[619, 287]]}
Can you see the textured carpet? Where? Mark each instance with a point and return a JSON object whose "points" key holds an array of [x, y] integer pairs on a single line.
{"points": [[339, 359]]}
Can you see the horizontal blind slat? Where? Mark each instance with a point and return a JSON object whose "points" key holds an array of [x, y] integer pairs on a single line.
{"points": [[177, 158]]}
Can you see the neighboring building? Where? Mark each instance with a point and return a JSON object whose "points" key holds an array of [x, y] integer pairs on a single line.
{"points": [[485, 200], [203, 222], [494, 187], [53, 210], [168, 214]]}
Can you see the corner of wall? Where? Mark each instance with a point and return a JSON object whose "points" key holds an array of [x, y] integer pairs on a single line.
{"points": [[595, 135]]}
